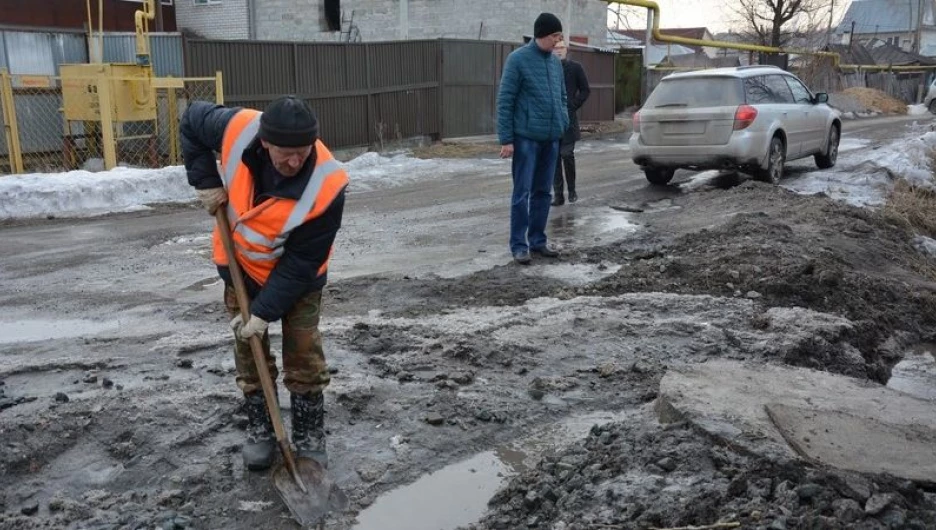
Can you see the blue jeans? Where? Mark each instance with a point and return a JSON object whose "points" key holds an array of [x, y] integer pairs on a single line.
{"points": [[534, 167]]}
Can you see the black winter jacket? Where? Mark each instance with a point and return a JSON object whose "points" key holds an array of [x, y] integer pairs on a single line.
{"points": [[306, 248], [577, 90]]}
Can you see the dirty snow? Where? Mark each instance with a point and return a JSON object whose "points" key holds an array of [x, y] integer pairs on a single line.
{"points": [[864, 175], [917, 110], [860, 178], [85, 193]]}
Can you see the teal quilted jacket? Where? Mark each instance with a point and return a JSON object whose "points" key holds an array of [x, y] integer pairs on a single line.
{"points": [[532, 99]]}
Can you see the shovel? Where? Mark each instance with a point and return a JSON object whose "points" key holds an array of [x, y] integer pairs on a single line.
{"points": [[301, 482]]}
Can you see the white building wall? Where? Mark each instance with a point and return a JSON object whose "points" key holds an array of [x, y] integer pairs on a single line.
{"points": [[380, 20], [224, 19]]}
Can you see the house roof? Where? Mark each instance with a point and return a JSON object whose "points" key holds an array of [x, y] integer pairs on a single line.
{"points": [[617, 38], [887, 54], [855, 54], [885, 16]]}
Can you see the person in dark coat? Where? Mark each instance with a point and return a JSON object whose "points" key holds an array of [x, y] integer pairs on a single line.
{"points": [[577, 92]]}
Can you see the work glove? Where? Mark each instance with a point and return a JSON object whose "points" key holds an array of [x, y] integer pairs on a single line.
{"points": [[255, 326], [212, 198]]}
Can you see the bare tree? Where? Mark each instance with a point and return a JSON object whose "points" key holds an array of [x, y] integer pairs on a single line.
{"points": [[622, 17], [776, 22]]}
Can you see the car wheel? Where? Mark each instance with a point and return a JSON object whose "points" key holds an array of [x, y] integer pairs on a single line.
{"points": [[775, 159], [932, 106], [659, 176], [827, 159]]}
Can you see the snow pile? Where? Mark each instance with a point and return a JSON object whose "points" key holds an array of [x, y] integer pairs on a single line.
{"points": [[83, 193], [910, 159], [925, 245], [917, 110], [863, 177]]}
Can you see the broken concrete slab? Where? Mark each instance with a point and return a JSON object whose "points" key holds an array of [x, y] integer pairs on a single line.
{"points": [[729, 399], [856, 443]]}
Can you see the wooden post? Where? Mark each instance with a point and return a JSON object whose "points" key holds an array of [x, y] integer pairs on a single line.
{"points": [[173, 127], [10, 126], [219, 88], [107, 121]]}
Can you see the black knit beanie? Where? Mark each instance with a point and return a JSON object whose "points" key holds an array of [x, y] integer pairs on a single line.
{"points": [[288, 122], [546, 24]]}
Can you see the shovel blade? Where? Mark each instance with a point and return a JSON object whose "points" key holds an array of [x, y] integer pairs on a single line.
{"points": [[323, 495]]}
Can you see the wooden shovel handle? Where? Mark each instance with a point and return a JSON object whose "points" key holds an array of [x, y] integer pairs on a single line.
{"points": [[237, 278]]}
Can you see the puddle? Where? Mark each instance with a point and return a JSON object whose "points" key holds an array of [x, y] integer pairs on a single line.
{"points": [[41, 329], [574, 274], [457, 495], [916, 374], [572, 225]]}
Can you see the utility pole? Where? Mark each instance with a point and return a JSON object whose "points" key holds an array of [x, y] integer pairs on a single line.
{"points": [[159, 17], [910, 26], [646, 56], [828, 39], [917, 46]]}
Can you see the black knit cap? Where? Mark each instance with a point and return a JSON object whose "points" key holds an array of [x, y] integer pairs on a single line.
{"points": [[288, 122], [546, 24]]}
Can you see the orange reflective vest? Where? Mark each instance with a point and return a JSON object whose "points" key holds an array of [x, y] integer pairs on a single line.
{"points": [[260, 231]]}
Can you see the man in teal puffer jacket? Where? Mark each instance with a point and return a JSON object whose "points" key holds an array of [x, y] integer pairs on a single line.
{"points": [[531, 117]]}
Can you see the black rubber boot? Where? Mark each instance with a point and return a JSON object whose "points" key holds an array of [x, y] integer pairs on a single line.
{"points": [[569, 163], [308, 423], [260, 447], [558, 199]]}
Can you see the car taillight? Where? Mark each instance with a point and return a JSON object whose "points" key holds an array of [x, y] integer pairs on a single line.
{"points": [[636, 122], [744, 117]]}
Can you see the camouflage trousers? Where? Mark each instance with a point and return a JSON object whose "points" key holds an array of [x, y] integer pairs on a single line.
{"points": [[304, 368]]}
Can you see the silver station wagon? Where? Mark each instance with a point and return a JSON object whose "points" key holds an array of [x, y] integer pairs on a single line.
{"points": [[750, 118]]}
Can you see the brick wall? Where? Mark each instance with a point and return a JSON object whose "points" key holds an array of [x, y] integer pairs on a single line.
{"points": [[228, 19], [380, 20]]}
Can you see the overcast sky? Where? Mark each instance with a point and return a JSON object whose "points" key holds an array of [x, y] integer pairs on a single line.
{"points": [[717, 15]]}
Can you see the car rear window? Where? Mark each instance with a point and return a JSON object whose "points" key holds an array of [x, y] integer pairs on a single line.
{"points": [[692, 92]]}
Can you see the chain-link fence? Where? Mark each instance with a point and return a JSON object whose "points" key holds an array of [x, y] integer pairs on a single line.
{"points": [[40, 136]]}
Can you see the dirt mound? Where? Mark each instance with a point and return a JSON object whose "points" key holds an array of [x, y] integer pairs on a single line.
{"points": [[855, 264], [876, 100], [642, 475]]}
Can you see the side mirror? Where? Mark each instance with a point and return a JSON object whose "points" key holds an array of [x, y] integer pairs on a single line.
{"points": [[821, 97]]}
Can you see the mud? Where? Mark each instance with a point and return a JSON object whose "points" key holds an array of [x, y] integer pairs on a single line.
{"points": [[139, 426], [640, 474]]}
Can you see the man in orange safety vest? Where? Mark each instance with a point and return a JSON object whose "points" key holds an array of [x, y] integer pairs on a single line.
{"points": [[284, 193]]}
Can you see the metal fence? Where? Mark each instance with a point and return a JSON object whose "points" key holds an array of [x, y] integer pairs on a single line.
{"points": [[36, 137], [368, 93]]}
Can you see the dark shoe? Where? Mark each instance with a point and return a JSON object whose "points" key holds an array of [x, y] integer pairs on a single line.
{"points": [[573, 196], [523, 258], [308, 423], [559, 201], [546, 252], [260, 447]]}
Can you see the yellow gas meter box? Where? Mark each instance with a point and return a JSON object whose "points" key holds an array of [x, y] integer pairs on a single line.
{"points": [[128, 87]]}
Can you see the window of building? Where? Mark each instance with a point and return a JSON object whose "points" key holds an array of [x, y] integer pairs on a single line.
{"points": [[332, 15]]}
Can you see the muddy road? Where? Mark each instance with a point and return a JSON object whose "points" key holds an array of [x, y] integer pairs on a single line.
{"points": [[456, 372]]}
